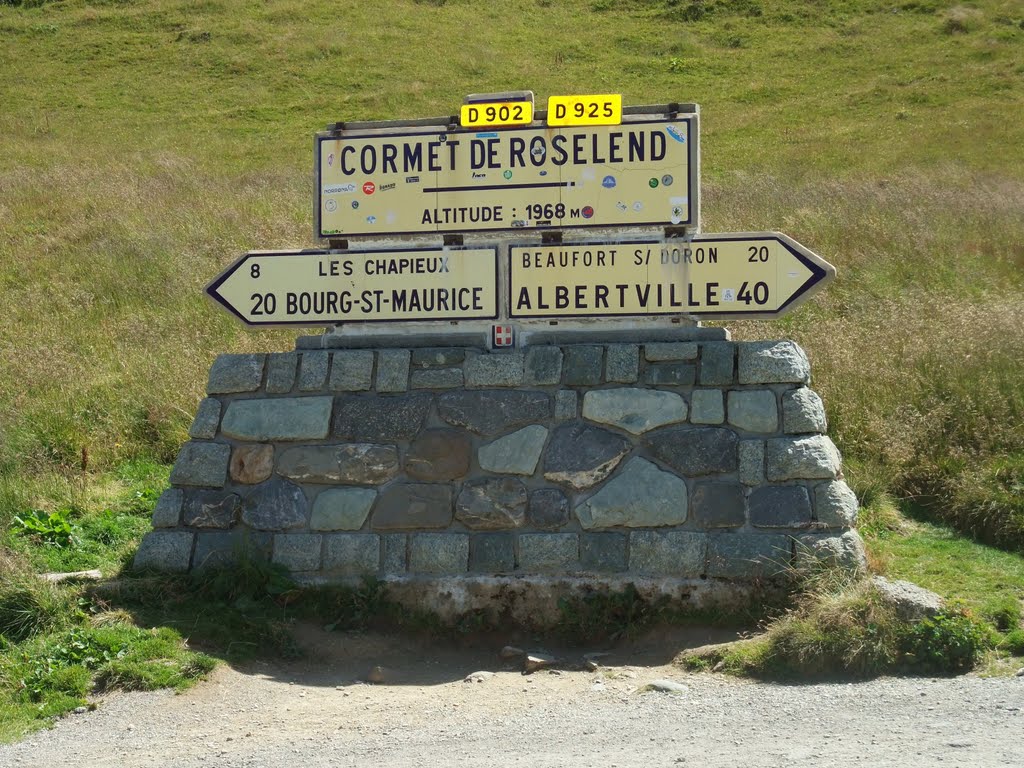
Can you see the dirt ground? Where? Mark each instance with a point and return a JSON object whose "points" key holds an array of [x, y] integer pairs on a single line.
{"points": [[321, 712]]}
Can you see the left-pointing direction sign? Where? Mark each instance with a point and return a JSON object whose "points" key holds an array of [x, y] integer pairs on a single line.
{"points": [[322, 287]]}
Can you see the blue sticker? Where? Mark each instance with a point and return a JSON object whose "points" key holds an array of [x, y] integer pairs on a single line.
{"points": [[491, 135], [371, 219], [608, 182], [675, 134], [543, 173]]}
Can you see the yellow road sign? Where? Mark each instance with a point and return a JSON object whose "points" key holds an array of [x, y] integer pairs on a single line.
{"points": [[324, 287], [601, 109], [756, 274], [496, 114]]}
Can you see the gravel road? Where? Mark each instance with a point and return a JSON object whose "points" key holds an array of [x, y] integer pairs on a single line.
{"points": [[319, 713]]}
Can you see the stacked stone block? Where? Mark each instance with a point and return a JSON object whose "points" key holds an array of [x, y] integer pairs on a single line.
{"points": [[690, 460]]}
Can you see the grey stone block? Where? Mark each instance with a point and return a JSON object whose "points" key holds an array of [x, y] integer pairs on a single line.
{"points": [[581, 455], [667, 553], [281, 372], [543, 366], [500, 369], [773, 362], [167, 511], [207, 420], [393, 559], [717, 363], [438, 357], [438, 455], [492, 504], [439, 553], [603, 552], [671, 374], [251, 463], [584, 365], [566, 404], [803, 412], [214, 550], [347, 464], [671, 350], [780, 506], [694, 451], [393, 370], [381, 419], [313, 373], [490, 412], [409, 506], [748, 555], [752, 462], [835, 504], [275, 505], [845, 551], [911, 602], [222, 549], [202, 464], [547, 509], [640, 496], [707, 406], [352, 371], [210, 509], [622, 363], [165, 551], [810, 458], [437, 378], [235, 373], [515, 454], [718, 505], [634, 410], [282, 418], [298, 551], [549, 552], [342, 509], [492, 553], [352, 554], [754, 410]]}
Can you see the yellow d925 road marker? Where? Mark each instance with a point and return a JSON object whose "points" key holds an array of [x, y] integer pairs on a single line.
{"points": [[601, 109]]}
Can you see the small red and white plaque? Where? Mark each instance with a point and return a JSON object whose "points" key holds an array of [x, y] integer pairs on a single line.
{"points": [[502, 336]]}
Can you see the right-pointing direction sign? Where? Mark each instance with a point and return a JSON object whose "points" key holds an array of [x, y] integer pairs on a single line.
{"points": [[749, 274]]}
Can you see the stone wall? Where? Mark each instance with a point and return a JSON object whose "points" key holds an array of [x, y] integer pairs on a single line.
{"points": [[689, 460]]}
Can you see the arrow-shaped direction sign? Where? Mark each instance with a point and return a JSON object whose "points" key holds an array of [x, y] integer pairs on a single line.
{"points": [[742, 275], [323, 288]]}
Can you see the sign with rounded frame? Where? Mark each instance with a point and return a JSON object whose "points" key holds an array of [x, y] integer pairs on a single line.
{"points": [[379, 180]]}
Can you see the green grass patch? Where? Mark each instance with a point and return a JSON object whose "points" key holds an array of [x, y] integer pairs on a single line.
{"points": [[988, 580], [843, 630], [58, 642]]}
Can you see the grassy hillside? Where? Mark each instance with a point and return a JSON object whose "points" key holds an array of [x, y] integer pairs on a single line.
{"points": [[144, 144]]}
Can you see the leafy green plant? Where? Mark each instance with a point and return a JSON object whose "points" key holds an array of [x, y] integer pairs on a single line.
{"points": [[1013, 642], [947, 643], [53, 528]]}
